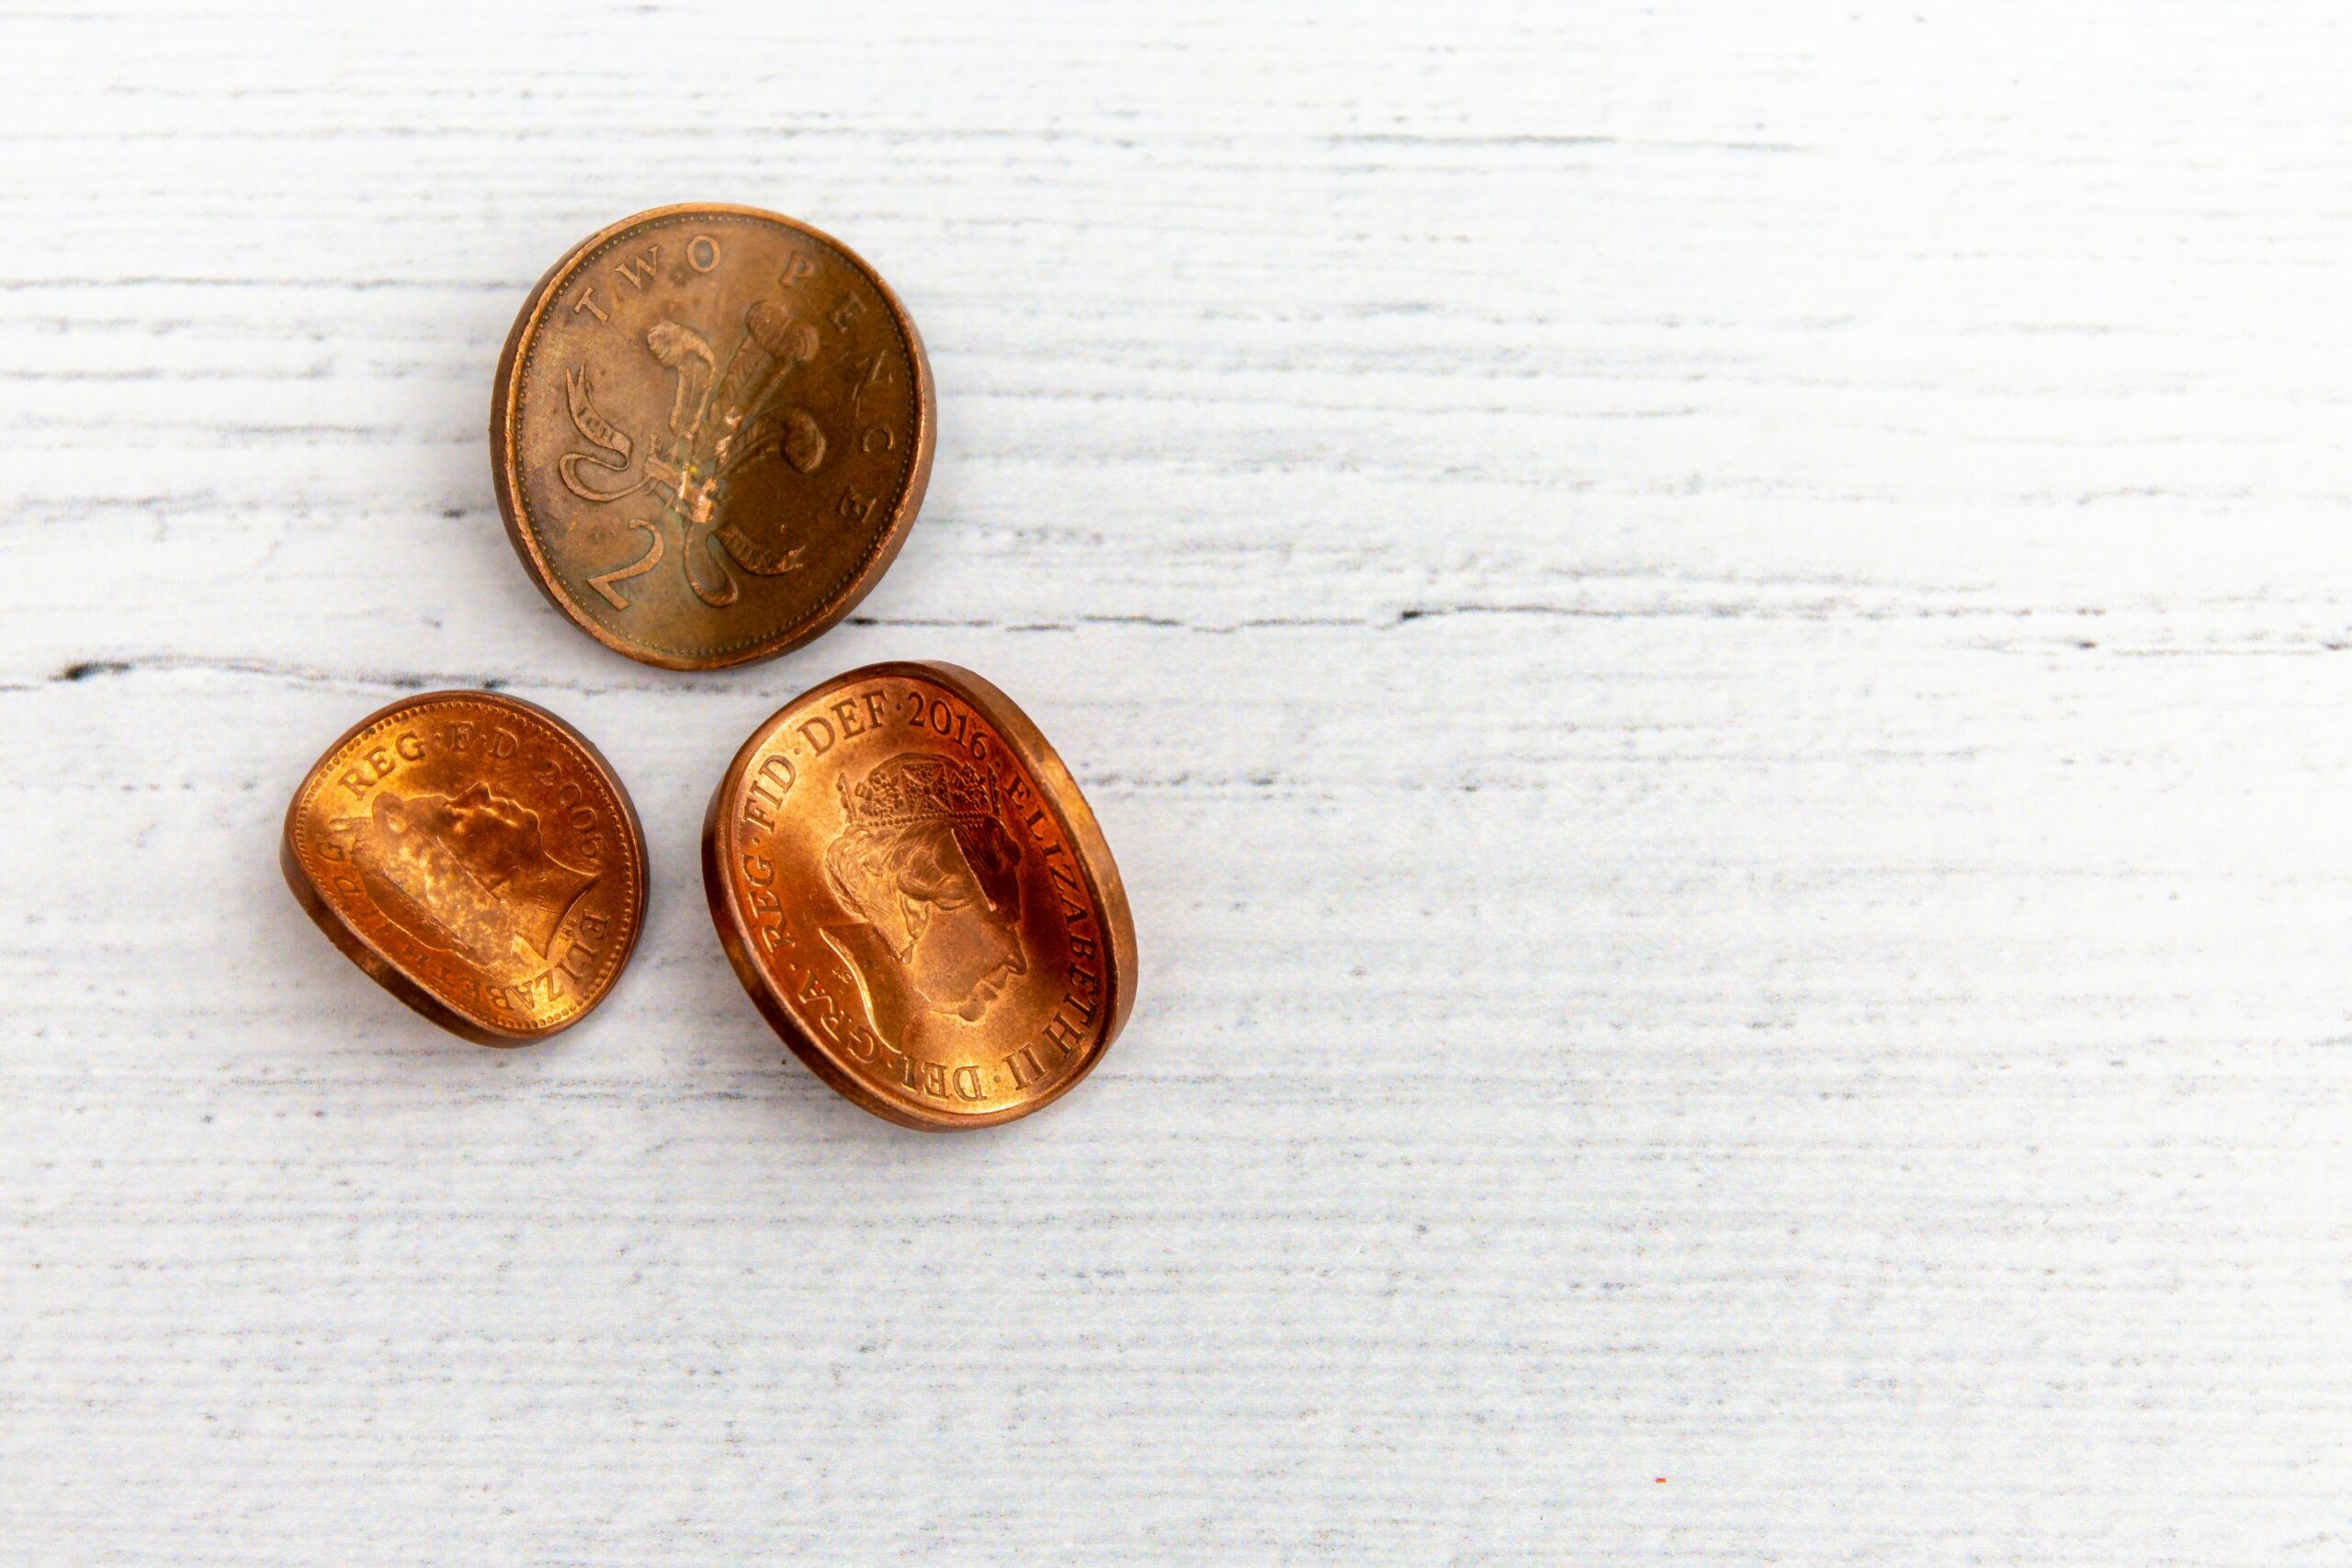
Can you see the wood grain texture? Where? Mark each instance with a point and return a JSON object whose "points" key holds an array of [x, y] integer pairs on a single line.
{"points": [[1714, 639]]}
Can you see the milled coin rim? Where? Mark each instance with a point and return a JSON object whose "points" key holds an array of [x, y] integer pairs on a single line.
{"points": [[386, 970], [505, 394], [1071, 809]]}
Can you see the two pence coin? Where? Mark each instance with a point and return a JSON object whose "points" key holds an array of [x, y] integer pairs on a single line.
{"points": [[710, 432]]}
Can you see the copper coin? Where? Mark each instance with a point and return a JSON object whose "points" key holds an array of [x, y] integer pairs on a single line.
{"points": [[477, 856], [909, 884], [711, 430]]}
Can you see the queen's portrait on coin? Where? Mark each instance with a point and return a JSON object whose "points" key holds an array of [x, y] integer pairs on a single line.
{"points": [[467, 874], [923, 864]]}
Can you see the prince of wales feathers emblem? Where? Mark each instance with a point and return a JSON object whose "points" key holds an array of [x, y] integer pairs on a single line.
{"points": [[721, 424]]}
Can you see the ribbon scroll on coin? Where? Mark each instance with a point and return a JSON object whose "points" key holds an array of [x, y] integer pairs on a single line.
{"points": [[914, 892]]}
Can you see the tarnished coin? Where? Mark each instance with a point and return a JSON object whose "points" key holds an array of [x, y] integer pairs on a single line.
{"points": [[909, 884], [475, 856], [711, 430]]}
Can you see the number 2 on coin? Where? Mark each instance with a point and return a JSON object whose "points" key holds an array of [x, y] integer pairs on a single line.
{"points": [[602, 581]]}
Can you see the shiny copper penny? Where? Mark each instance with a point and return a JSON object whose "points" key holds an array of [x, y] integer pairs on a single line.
{"points": [[909, 884], [475, 856], [711, 430]]}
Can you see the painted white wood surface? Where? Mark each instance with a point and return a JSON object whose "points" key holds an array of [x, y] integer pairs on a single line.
{"points": [[1717, 641]]}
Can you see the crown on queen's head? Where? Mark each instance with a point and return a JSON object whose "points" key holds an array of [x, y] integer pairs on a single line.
{"points": [[920, 789]]}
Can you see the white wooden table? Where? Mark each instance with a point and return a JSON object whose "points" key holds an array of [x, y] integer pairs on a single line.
{"points": [[1717, 641]]}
